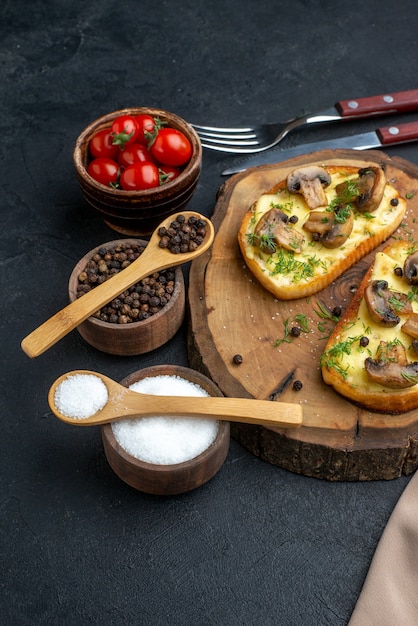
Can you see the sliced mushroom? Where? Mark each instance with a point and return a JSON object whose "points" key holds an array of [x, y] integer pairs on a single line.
{"points": [[384, 304], [410, 268], [310, 181], [273, 229], [332, 229], [366, 191], [372, 182], [391, 367], [318, 222], [411, 326]]}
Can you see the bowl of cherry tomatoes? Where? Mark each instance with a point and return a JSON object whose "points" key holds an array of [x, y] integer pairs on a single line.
{"points": [[137, 166]]}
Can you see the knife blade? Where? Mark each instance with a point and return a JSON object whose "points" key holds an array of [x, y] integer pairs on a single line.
{"points": [[379, 138]]}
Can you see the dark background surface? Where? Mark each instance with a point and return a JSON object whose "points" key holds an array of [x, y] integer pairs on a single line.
{"points": [[255, 545]]}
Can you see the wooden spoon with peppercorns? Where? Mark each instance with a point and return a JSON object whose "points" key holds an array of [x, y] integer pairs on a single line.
{"points": [[157, 256], [116, 402]]}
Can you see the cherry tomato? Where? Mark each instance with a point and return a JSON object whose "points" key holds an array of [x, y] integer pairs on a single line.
{"points": [[139, 176], [125, 130], [101, 145], [146, 125], [133, 153], [168, 173], [171, 147], [104, 171]]}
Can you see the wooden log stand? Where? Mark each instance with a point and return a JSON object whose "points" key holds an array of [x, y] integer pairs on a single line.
{"points": [[230, 313]]}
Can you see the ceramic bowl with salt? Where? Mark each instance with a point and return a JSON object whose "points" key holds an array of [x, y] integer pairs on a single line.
{"points": [[170, 455]]}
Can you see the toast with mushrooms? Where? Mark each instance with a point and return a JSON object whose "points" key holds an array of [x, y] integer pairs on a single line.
{"points": [[310, 228], [371, 357]]}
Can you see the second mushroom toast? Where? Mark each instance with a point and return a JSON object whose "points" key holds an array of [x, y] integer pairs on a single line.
{"points": [[372, 355], [310, 228]]}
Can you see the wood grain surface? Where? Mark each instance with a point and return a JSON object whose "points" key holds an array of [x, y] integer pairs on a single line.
{"points": [[232, 314]]}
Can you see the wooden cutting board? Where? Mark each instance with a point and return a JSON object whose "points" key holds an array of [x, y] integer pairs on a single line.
{"points": [[232, 314]]}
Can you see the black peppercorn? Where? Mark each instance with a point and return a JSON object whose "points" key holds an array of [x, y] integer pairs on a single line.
{"points": [[297, 385], [364, 341], [336, 311], [145, 298], [237, 359], [398, 271], [183, 236], [394, 202], [295, 331]]}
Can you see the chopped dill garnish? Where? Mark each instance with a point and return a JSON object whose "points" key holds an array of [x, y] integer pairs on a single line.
{"points": [[325, 314], [303, 322], [287, 208], [342, 215], [409, 377], [331, 358], [395, 303], [285, 262], [286, 337], [265, 241], [412, 249], [412, 295], [393, 343], [303, 325]]}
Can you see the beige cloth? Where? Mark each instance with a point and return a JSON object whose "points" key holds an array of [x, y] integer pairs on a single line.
{"points": [[390, 593]]}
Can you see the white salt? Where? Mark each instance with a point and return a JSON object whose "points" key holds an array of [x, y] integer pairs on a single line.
{"points": [[166, 440], [80, 396]]}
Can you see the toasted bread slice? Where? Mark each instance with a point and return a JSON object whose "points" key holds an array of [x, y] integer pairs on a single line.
{"points": [[358, 340], [307, 265]]}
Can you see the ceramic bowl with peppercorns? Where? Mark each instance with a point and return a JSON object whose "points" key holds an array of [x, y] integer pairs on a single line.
{"points": [[141, 318], [137, 166]]}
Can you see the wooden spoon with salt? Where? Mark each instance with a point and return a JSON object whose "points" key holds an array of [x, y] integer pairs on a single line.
{"points": [[153, 259], [123, 403]]}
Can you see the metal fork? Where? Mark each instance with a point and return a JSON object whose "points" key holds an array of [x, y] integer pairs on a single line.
{"points": [[264, 136]]}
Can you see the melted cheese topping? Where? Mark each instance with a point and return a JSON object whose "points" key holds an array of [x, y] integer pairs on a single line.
{"points": [[351, 365], [288, 268]]}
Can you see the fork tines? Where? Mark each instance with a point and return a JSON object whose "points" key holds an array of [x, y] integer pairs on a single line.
{"points": [[227, 136]]}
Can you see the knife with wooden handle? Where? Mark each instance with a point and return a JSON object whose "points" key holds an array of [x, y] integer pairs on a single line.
{"points": [[371, 106], [379, 138], [402, 101]]}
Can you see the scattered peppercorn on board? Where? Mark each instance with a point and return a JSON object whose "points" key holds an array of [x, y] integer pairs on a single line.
{"points": [[253, 345]]}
